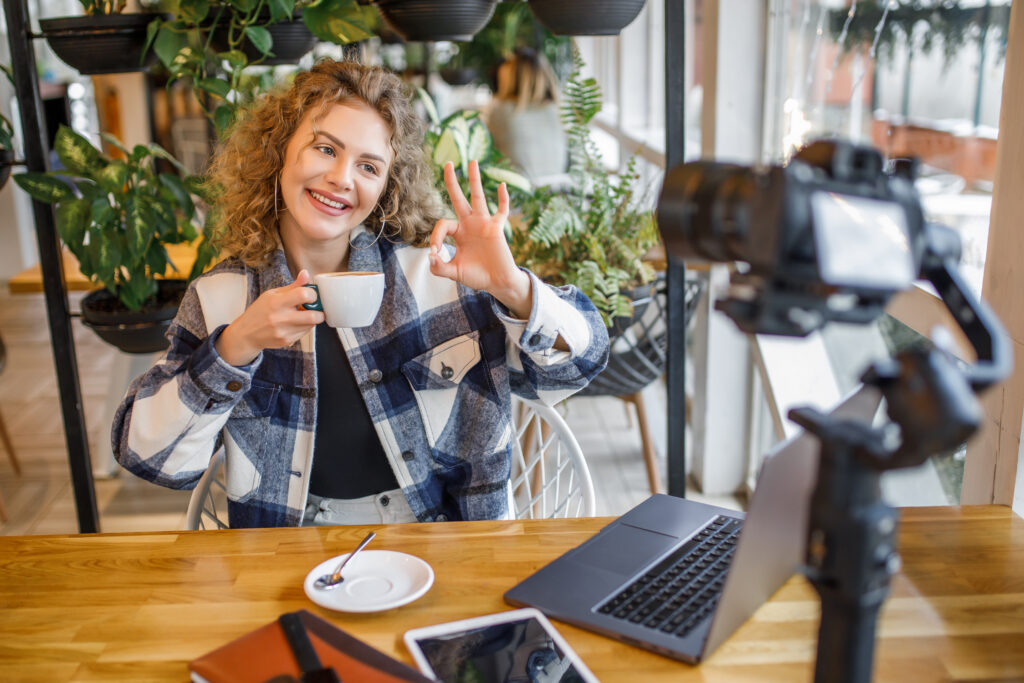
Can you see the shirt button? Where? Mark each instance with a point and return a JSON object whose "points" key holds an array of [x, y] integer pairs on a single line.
{"points": [[446, 372], [408, 455], [376, 375], [234, 385], [384, 501], [441, 518], [535, 340]]}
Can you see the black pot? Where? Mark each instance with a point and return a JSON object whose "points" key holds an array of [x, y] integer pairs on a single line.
{"points": [[133, 331], [423, 20], [292, 40], [101, 44], [586, 17], [459, 76], [6, 161]]}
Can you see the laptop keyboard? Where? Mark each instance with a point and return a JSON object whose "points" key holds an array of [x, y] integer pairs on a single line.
{"points": [[682, 589]]}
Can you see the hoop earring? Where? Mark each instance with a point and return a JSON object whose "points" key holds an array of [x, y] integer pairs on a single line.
{"points": [[383, 222]]}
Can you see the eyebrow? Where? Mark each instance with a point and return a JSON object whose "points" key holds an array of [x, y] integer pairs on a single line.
{"points": [[341, 144]]}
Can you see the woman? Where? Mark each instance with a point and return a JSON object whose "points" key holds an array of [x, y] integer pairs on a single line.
{"points": [[407, 419], [524, 119]]}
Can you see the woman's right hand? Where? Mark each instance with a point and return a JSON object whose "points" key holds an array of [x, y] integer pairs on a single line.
{"points": [[275, 320]]}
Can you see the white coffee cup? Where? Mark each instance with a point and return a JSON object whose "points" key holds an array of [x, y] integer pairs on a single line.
{"points": [[348, 299]]}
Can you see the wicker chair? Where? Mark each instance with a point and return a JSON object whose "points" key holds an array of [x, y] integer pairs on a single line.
{"points": [[637, 358]]}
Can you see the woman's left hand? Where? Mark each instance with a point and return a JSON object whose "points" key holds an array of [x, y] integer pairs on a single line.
{"points": [[482, 258]]}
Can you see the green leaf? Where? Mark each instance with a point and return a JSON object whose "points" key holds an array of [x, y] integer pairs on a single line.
{"points": [[113, 176], [157, 259], [73, 222], [158, 151], [281, 9], [43, 187], [218, 86], [139, 152], [101, 213], [138, 230], [169, 45], [428, 104], [177, 188], [510, 178], [260, 38], [236, 58], [447, 150], [480, 145], [223, 117], [193, 11], [77, 154], [337, 21], [114, 142], [152, 28]]}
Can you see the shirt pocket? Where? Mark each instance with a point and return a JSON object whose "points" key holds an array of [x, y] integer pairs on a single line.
{"points": [[258, 401], [436, 379]]}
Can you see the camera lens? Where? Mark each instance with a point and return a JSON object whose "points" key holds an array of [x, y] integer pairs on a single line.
{"points": [[704, 210]]}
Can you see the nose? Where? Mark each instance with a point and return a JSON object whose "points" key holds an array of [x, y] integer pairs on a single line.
{"points": [[339, 175]]}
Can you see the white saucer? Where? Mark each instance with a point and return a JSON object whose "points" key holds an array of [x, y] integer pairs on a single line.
{"points": [[375, 580]]}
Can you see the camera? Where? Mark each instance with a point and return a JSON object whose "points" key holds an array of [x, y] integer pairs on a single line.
{"points": [[830, 236]]}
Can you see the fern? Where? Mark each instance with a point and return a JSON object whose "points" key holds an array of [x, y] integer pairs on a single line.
{"points": [[596, 234]]}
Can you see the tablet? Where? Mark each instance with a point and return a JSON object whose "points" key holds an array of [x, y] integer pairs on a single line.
{"points": [[519, 646]]}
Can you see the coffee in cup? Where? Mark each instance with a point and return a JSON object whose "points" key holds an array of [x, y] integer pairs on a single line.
{"points": [[348, 299]]}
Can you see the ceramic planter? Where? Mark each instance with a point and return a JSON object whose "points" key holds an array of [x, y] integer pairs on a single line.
{"points": [[431, 20], [292, 40], [101, 44], [133, 331], [586, 17]]}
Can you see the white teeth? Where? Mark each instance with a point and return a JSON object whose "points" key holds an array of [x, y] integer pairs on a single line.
{"points": [[320, 198]]}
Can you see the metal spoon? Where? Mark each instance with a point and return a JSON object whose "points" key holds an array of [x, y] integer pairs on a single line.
{"points": [[329, 581]]}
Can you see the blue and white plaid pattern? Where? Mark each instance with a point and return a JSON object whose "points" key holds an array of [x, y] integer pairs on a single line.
{"points": [[436, 369]]}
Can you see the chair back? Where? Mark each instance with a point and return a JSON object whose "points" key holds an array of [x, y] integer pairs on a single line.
{"points": [[550, 477], [207, 495]]}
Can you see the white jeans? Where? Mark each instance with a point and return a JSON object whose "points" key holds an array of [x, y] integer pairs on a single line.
{"points": [[389, 507]]}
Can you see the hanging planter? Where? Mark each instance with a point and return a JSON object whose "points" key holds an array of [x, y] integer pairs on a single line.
{"points": [[586, 17], [459, 75], [431, 20], [292, 40], [102, 43], [139, 331]]}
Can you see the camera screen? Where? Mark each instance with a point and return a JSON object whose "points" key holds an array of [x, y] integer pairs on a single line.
{"points": [[862, 242], [512, 652]]}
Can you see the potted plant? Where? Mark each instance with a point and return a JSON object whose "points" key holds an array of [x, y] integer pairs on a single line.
{"points": [[104, 40], [462, 137], [595, 233], [116, 216], [433, 20], [6, 140], [210, 45]]}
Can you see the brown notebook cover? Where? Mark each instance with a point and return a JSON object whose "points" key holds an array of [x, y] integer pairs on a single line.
{"points": [[264, 654]]}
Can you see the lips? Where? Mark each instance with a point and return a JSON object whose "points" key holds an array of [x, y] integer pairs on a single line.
{"points": [[328, 203]]}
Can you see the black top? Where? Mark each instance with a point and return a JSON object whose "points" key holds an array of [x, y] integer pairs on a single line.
{"points": [[348, 460]]}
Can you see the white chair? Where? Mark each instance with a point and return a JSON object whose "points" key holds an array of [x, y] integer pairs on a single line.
{"points": [[550, 477], [207, 495]]}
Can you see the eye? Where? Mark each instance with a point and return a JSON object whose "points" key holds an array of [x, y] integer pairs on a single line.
{"points": [[324, 149], [369, 168]]}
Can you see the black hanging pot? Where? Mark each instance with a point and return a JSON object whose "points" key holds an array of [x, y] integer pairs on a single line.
{"points": [[458, 75], [425, 20], [586, 17], [102, 43], [139, 331], [292, 40]]}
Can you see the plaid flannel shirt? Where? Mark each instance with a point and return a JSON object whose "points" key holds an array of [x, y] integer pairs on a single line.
{"points": [[447, 436]]}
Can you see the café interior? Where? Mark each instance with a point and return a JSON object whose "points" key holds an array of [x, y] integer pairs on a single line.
{"points": [[106, 576]]}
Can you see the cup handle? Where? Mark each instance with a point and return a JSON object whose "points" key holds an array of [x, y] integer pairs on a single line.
{"points": [[316, 305]]}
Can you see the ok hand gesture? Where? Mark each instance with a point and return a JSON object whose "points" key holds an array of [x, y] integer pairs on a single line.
{"points": [[482, 258]]}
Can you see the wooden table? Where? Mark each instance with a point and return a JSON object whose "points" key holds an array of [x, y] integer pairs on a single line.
{"points": [[139, 606], [30, 280]]}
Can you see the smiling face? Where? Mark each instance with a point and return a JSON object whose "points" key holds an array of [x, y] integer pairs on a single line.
{"points": [[335, 169]]}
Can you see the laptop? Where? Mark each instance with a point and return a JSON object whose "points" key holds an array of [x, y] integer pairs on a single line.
{"points": [[677, 577]]}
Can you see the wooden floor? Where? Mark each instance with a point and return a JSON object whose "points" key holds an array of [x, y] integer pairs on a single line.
{"points": [[40, 500]]}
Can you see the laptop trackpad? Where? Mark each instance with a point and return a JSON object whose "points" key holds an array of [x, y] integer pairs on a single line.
{"points": [[623, 549]]}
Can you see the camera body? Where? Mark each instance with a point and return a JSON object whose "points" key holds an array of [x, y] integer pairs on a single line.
{"points": [[831, 236]]}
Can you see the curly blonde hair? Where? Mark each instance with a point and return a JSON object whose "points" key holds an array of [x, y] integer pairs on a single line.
{"points": [[244, 170]]}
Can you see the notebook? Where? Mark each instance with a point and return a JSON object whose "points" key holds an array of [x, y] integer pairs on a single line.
{"points": [[677, 577]]}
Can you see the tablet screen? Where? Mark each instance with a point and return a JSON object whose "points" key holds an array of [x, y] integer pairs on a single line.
{"points": [[519, 651]]}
